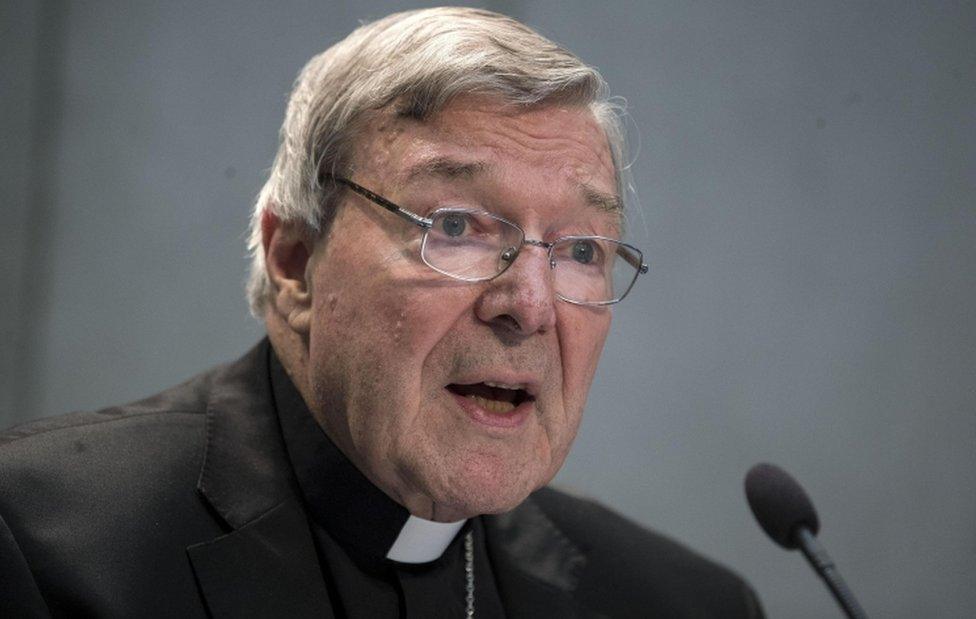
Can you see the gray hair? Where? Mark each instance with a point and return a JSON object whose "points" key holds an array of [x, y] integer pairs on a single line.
{"points": [[418, 61]]}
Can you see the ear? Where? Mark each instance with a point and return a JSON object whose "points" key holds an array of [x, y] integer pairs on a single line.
{"points": [[287, 249]]}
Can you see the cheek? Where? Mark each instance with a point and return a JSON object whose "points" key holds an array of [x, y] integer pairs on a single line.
{"points": [[356, 304], [581, 337], [581, 344], [379, 294], [384, 323], [413, 320]]}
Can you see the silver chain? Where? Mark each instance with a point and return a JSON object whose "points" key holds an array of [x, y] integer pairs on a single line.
{"points": [[469, 575]]}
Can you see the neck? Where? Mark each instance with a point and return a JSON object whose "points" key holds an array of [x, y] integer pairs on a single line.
{"points": [[355, 511], [292, 351]]}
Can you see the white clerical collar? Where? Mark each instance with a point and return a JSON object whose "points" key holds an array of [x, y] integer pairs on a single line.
{"points": [[422, 540]]}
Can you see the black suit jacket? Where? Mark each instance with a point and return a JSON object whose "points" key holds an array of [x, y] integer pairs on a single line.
{"points": [[185, 505]]}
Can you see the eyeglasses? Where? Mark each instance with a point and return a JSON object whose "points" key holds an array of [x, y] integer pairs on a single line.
{"points": [[473, 245]]}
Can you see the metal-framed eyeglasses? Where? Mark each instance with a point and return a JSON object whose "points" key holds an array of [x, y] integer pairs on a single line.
{"points": [[473, 245]]}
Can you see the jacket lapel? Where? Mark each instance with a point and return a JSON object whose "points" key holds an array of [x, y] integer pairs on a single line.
{"points": [[263, 569], [536, 567], [266, 564]]}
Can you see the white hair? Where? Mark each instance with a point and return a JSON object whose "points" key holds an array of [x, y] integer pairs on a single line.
{"points": [[417, 61]]}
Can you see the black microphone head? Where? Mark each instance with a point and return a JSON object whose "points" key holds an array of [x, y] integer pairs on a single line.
{"points": [[779, 504]]}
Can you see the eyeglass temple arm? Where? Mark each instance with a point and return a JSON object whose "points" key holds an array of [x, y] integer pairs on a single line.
{"points": [[635, 260], [413, 218]]}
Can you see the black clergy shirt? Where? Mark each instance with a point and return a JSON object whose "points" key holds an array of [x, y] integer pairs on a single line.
{"points": [[354, 524]]}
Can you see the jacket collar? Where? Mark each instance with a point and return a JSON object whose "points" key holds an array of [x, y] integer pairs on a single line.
{"points": [[245, 469]]}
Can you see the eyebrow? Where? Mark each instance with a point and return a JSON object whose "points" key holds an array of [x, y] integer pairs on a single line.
{"points": [[606, 202], [449, 168], [446, 168]]}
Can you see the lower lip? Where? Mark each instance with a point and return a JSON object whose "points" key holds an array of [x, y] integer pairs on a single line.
{"points": [[512, 419]]}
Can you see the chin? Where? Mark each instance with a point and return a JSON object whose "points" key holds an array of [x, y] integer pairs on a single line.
{"points": [[472, 504], [488, 487]]}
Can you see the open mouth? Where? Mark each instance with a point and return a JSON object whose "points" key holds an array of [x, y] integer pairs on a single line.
{"points": [[492, 397]]}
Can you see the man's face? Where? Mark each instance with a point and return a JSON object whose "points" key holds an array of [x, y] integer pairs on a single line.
{"points": [[396, 350]]}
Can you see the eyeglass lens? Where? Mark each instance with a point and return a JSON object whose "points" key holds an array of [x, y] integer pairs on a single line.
{"points": [[476, 246]]}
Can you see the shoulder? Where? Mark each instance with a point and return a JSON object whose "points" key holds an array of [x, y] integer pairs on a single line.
{"points": [[74, 465], [85, 469], [601, 532], [135, 427], [100, 503], [629, 566]]}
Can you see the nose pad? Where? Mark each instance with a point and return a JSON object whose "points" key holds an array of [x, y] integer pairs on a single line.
{"points": [[507, 258], [509, 255]]}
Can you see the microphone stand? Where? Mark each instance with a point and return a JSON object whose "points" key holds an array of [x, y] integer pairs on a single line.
{"points": [[824, 566]]}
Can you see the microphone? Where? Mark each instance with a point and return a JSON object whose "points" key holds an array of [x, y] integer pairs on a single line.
{"points": [[785, 513]]}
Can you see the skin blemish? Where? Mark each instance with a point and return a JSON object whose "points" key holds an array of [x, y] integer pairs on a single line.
{"points": [[398, 326]]}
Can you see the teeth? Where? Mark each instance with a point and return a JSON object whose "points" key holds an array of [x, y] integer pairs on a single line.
{"points": [[503, 386], [492, 406]]}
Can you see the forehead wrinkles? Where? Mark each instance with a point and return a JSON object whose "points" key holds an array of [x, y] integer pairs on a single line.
{"points": [[564, 141]]}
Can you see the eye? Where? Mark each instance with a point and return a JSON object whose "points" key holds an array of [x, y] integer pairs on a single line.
{"points": [[454, 224], [583, 251]]}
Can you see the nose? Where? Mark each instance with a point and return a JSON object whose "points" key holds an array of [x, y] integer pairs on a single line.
{"points": [[521, 300]]}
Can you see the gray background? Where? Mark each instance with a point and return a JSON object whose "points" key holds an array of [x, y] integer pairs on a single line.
{"points": [[806, 175]]}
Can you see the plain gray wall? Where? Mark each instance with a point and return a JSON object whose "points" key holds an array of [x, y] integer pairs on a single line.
{"points": [[806, 177]]}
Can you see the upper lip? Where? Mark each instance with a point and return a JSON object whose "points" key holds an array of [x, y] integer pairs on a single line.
{"points": [[529, 384]]}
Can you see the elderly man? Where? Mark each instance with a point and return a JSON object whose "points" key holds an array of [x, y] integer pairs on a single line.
{"points": [[436, 254]]}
